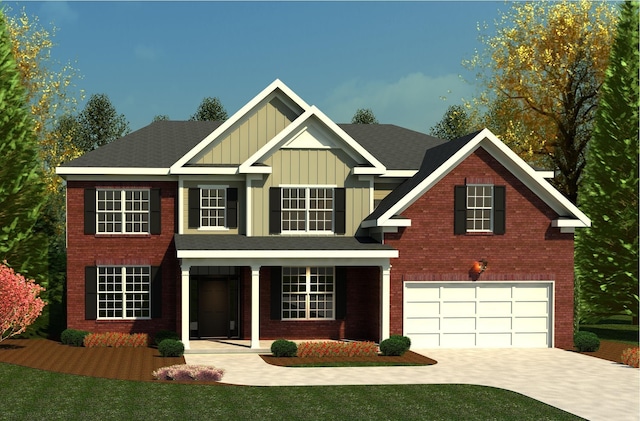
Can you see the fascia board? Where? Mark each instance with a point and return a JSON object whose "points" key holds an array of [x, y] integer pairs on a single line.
{"points": [[290, 254], [399, 173], [389, 223], [275, 85], [205, 170], [568, 223], [64, 171], [546, 173]]}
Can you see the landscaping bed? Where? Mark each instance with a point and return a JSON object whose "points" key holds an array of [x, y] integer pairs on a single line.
{"points": [[409, 358]]}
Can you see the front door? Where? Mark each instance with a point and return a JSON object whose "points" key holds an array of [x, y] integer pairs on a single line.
{"points": [[213, 317]]}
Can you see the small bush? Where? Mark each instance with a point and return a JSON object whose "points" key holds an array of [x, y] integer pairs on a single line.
{"points": [[337, 349], [404, 339], [116, 340], [73, 337], [586, 341], [284, 348], [631, 357], [393, 347], [165, 334], [171, 348], [185, 372]]}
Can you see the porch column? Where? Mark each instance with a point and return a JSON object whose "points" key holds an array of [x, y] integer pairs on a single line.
{"points": [[255, 307], [185, 305], [385, 301]]}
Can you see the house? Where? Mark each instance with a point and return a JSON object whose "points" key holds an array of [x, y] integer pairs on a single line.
{"points": [[281, 223]]}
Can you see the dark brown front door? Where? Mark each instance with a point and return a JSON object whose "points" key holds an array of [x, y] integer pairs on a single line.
{"points": [[213, 317]]}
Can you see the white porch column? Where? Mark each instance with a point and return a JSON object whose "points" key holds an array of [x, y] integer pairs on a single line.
{"points": [[385, 301], [255, 307], [185, 305]]}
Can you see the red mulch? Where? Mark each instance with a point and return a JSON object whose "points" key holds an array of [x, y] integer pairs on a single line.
{"points": [[409, 357], [138, 363]]}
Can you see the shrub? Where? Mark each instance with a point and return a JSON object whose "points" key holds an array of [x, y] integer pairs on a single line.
{"points": [[404, 339], [631, 357], [393, 347], [337, 349], [165, 334], [73, 337], [184, 372], [586, 341], [284, 348], [116, 340], [171, 348]]}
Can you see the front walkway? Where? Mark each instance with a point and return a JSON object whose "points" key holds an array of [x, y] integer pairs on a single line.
{"points": [[586, 386]]}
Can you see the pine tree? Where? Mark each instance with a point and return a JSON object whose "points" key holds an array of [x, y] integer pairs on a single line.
{"points": [[21, 187], [607, 253]]}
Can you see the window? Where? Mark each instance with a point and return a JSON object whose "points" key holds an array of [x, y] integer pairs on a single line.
{"points": [[124, 292], [479, 208], [212, 207], [308, 293], [122, 211], [307, 209]]}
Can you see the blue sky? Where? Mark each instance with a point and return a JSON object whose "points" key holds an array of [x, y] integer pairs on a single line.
{"points": [[398, 58]]}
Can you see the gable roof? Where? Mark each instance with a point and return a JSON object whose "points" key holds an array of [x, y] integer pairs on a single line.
{"points": [[440, 160]]}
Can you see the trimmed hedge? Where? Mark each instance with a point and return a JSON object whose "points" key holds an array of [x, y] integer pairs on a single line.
{"points": [[165, 334], [395, 346], [171, 348], [73, 337], [586, 341], [284, 348]]}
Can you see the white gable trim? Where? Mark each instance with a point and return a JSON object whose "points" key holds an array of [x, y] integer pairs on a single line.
{"points": [[66, 171], [270, 90], [570, 215]]}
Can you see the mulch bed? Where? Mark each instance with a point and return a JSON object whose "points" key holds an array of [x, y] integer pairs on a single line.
{"points": [[409, 357], [138, 363]]}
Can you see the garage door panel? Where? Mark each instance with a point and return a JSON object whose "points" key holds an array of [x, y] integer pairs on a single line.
{"points": [[458, 308], [425, 340], [459, 324], [492, 308], [458, 340], [459, 293], [419, 309], [423, 324], [423, 292], [530, 308], [497, 293], [494, 324], [494, 340], [530, 340], [529, 324], [531, 293]]}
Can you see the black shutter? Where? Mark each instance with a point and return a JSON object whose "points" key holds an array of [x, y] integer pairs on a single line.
{"points": [[156, 292], [276, 293], [275, 210], [339, 204], [460, 210], [341, 292], [90, 211], [154, 211], [232, 207], [194, 208], [90, 293], [499, 204]]}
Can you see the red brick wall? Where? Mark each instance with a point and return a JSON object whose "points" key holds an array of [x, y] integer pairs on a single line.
{"points": [[87, 250], [530, 250]]}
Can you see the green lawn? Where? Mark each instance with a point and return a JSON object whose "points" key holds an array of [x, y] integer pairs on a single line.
{"points": [[615, 328], [29, 394]]}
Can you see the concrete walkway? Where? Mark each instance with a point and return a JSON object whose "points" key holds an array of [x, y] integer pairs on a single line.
{"points": [[589, 387]]}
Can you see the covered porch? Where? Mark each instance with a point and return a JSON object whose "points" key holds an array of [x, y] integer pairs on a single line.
{"points": [[354, 272]]}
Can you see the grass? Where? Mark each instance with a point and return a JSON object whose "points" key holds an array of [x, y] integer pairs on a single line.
{"points": [[40, 395], [615, 328]]}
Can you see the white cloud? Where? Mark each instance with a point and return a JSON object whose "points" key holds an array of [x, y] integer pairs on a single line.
{"points": [[415, 101]]}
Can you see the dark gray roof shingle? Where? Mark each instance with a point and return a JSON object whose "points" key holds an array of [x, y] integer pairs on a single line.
{"points": [[284, 243]]}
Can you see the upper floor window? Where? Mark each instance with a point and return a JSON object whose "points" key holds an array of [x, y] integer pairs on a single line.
{"points": [[479, 208], [213, 207], [307, 209], [123, 211]]}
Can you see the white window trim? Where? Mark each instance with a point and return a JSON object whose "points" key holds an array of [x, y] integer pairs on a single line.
{"points": [[216, 228], [307, 295], [123, 274], [492, 209], [307, 231], [123, 211]]}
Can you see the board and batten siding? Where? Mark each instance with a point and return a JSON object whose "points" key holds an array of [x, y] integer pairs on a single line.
{"points": [[248, 136], [184, 200], [307, 167]]}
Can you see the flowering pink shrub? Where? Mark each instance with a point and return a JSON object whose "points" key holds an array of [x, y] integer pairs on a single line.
{"points": [[116, 340], [337, 349], [186, 372], [20, 304], [631, 357]]}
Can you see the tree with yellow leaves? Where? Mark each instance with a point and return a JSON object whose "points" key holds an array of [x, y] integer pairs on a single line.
{"points": [[542, 71]]}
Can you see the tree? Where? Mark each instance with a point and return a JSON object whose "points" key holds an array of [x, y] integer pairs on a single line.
{"points": [[20, 305], [210, 109], [21, 187], [544, 68], [99, 123], [607, 253], [364, 116], [455, 123], [160, 117]]}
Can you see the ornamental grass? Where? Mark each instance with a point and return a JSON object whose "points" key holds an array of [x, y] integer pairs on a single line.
{"points": [[186, 372], [337, 349], [631, 357]]}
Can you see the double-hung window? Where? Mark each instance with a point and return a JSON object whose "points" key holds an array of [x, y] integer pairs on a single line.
{"points": [[307, 209], [213, 207], [124, 292], [479, 208], [308, 293], [122, 211]]}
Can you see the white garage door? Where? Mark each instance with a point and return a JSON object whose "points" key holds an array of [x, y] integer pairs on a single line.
{"points": [[482, 315]]}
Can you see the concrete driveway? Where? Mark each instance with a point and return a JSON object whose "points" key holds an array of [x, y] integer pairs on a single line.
{"points": [[586, 386]]}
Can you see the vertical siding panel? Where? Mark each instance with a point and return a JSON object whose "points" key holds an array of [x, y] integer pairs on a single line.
{"points": [[312, 167]]}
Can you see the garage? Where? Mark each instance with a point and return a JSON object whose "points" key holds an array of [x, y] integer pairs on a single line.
{"points": [[478, 314]]}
